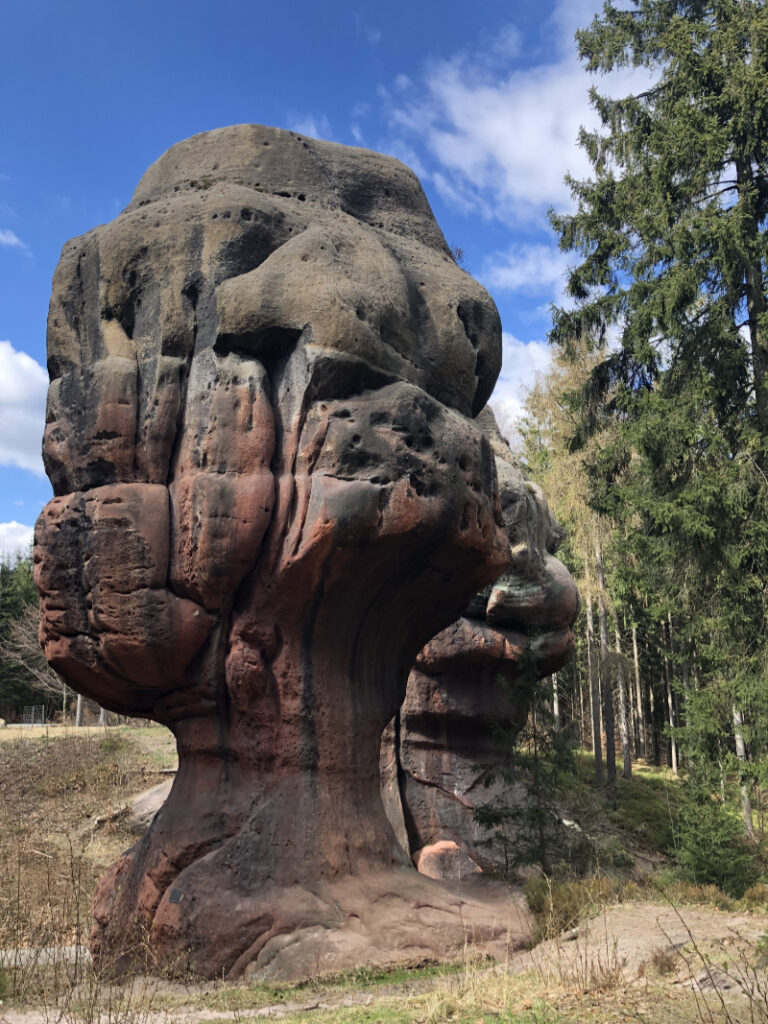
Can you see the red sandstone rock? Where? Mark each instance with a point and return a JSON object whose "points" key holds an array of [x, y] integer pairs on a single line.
{"points": [[468, 693], [270, 494]]}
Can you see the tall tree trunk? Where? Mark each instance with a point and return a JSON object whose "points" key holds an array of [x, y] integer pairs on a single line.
{"points": [[594, 694], [655, 717], [79, 711], [602, 618], [754, 290], [103, 717], [685, 676], [64, 695], [578, 700], [670, 710], [555, 702], [642, 742], [741, 753], [624, 729]]}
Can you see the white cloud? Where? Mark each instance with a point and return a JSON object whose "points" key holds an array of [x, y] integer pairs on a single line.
{"points": [[15, 539], [23, 387], [10, 238], [536, 269], [522, 362], [316, 128], [503, 137]]}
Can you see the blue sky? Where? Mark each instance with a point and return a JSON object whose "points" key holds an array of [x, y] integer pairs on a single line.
{"points": [[483, 100]]}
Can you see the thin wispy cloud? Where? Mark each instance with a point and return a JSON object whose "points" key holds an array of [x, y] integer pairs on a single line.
{"points": [[368, 32], [314, 127], [11, 239], [537, 269]]}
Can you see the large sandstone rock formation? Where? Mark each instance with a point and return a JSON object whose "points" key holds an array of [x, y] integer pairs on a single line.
{"points": [[469, 693], [269, 495]]}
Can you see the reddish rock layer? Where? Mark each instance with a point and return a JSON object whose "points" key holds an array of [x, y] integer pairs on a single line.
{"points": [[269, 496]]}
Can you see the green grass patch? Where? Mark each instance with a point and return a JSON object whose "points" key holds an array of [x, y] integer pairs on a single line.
{"points": [[646, 803]]}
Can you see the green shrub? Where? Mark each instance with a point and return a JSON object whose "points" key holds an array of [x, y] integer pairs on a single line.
{"points": [[611, 854], [710, 847]]}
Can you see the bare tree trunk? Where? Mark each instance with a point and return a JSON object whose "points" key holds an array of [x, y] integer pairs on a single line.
{"points": [[79, 711], [670, 713], [555, 702], [578, 700], [624, 730], [671, 703], [741, 753], [685, 675], [103, 717], [641, 736], [757, 304], [634, 735], [608, 720], [594, 694]]}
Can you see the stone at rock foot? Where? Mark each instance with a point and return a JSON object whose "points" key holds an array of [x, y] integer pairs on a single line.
{"points": [[269, 495]]}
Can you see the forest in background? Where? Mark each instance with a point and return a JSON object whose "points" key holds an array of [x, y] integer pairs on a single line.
{"points": [[26, 679], [649, 434]]}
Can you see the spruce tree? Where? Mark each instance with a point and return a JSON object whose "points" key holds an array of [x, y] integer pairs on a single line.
{"points": [[671, 231], [672, 226]]}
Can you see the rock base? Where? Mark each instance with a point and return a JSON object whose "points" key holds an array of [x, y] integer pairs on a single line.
{"points": [[397, 919]]}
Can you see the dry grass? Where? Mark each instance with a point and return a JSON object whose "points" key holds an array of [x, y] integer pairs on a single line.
{"points": [[58, 832]]}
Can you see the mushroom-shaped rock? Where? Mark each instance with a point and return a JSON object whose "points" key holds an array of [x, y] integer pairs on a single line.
{"points": [[269, 495], [469, 691]]}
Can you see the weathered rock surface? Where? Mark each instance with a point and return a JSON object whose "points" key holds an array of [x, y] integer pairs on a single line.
{"points": [[468, 693], [269, 495]]}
